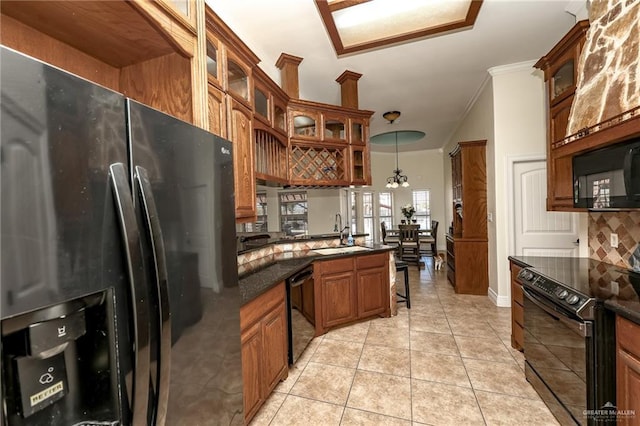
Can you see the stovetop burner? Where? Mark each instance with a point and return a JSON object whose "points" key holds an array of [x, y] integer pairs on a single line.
{"points": [[576, 283]]}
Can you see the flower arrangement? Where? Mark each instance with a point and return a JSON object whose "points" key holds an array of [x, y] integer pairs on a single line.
{"points": [[408, 211]]}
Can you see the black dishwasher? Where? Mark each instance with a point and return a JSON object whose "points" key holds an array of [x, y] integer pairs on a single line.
{"points": [[300, 311]]}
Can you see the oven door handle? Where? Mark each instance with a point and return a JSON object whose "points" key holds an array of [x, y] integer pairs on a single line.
{"points": [[583, 328]]}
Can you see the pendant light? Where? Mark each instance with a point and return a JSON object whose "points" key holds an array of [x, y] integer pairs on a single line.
{"points": [[398, 179]]}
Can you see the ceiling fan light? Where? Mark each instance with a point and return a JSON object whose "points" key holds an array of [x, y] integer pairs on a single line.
{"points": [[391, 116]]}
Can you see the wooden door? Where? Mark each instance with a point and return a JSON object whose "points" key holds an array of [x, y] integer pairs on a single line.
{"points": [[539, 232], [216, 111], [274, 347], [371, 291], [338, 299], [251, 372], [240, 132]]}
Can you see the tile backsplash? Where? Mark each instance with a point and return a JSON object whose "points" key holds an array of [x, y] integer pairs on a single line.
{"points": [[602, 224]]}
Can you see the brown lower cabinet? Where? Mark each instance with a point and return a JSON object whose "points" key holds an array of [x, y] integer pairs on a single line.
{"points": [[627, 370], [468, 265], [517, 310], [351, 288], [263, 322]]}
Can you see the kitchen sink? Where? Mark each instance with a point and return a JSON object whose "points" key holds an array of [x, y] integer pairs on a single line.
{"points": [[340, 250]]}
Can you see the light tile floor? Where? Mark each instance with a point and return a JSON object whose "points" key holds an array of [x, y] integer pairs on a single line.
{"points": [[447, 360]]}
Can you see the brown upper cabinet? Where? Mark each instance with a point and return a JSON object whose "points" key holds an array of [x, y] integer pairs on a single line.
{"points": [[305, 124], [230, 78], [358, 131], [144, 50], [270, 129], [238, 78], [184, 11], [328, 144], [214, 60], [560, 67], [334, 127]]}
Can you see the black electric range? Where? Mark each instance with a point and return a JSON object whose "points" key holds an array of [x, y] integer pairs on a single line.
{"points": [[569, 343]]}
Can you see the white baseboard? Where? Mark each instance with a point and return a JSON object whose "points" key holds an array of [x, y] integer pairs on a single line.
{"points": [[501, 301]]}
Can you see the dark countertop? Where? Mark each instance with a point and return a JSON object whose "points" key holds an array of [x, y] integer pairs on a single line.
{"points": [[520, 260], [618, 287], [288, 240], [630, 309], [281, 266]]}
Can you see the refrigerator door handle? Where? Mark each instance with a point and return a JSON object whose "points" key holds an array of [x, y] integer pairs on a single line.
{"points": [[138, 291], [150, 216]]}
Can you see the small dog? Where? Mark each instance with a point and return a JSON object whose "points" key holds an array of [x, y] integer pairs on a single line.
{"points": [[439, 259]]}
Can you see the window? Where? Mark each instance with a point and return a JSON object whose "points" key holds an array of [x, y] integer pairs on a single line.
{"points": [[260, 225], [421, 201], [367, 210], [385, 209], [293, 213], [353, 198], [367, 213]]}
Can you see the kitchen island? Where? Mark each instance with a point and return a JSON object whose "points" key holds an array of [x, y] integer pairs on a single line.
{"points": [[348, 283]]}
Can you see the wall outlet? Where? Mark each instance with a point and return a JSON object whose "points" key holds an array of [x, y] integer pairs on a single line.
{"points": [[614, 240], [615, 288]]}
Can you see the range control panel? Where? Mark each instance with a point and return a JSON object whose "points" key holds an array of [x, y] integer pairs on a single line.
{"points": [[555, 291]]}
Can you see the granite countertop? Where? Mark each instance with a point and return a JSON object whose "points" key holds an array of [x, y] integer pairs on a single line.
{"points": [[281, 266], [302, 238], [618, 287], [630, 309]]}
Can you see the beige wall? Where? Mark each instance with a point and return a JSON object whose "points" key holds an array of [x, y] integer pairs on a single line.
{"points": [[424, 170], [478, 124], [323, 204], [509, 113], [519, 132]]}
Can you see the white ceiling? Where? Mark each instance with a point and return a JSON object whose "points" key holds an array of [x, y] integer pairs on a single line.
{"points": [[432, 81]]}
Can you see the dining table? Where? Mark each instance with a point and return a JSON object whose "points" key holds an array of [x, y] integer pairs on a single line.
{"points": [[396, 232]]}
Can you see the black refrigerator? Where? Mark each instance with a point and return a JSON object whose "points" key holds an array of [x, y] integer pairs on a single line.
{"points": [[119, 289]]}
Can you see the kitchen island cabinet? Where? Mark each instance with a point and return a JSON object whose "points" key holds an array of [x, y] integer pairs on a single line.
{"points": [[263, 324], [351, 288], [627, 370]]}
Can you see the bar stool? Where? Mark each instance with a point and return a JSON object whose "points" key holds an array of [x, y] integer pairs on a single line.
{"points": [[401, 265]]}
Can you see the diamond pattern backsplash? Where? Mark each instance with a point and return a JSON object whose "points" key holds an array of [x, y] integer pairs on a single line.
{"points": [[602, 225]]}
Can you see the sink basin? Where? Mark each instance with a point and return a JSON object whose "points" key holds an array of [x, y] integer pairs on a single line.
{"points": [[340, 250]]}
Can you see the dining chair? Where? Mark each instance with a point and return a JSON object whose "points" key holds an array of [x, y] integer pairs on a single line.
{"points": [[390, 240], [409, 246], [429, 242]]}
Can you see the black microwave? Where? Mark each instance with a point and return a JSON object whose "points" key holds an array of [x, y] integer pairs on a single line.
{"points": [[608, 178]]}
